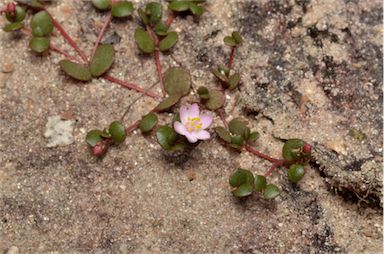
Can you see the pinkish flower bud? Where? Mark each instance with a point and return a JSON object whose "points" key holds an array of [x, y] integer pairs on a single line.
{"points": [[11, 8], [99, 149], [307, 148]]}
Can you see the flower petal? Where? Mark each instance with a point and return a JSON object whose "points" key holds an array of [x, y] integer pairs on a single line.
{"points": [[202, 134], [206, 120], [191, 136], [180, 128], [193, 110], [183, 114]]}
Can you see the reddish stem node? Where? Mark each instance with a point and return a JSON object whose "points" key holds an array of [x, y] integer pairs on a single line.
{"points": [[101, 34], [130, 86]]}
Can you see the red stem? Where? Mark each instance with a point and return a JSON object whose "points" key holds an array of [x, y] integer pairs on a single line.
{"points": [[262, 155], [273, 167], [68, 38], [130, 86], [101, 34], [62, 51], [222, 116], [132, 126], [231, 57], [170, 19]]}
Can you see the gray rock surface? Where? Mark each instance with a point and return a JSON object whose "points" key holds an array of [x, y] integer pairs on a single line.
{"points": [[310, 69]]}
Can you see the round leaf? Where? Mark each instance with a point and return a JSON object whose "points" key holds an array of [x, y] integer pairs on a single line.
{"points": [[144, 41], [102, 4], [295, 173], [237, 37], [177, 81], [122, 9], [179, 6], [234, 81], [154, 11], [253, 136], [237, 141], [271, 191], [75, 70], [260, 182], [13, 26], [238, 126], [292, 149], [102, 60], [143, 16], [196, 9], [220, 75], [148, 122], [18, 16], [161, 29], [167, 137], [39, 44], [117, 131], [223, 134], [41, 24], [168, 102], [168, 42], [93, 137], [216, 99], [203, 92], [241, 176], [229, 41], [243, 190]]}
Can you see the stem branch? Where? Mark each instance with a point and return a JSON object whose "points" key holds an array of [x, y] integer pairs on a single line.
{"points": [[101, 34]]}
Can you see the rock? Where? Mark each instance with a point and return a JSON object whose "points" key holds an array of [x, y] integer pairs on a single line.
{"points": [[7, 67], [59, 132], [13, 250]]}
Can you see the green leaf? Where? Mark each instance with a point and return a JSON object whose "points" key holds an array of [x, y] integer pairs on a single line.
{"points": [[75, 70], [18, 16], [102, 60], [295, 173], [229, 41], [143, 16], [243, 190], [179, 6], [203, 92], [122, 9], [102, 4], [220, 75], [167, 138], [238, 126], [292, 149], [144, 41], [237, 37], [148, 122], [39, 44], [260, 182], [13, 26], [168, 42], [168, 102], [117, 131], [161, 29], [105, 133], [271, 191], [240, 177], [223, 69], [41, 24], [253, 136], [223, 134], [196, 9], [177, 81], [237, 141], [216, 99], [93, 137], [154, 11], [234, 81]]}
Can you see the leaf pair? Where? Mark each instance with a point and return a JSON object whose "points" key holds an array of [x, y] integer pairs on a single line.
{"points": [[182, 6], [15, 18], [120, 9], [115, 131], [147, 45], [223, 74], [238, 133], [169, 139], [177, 83], [244, 183], [233, 40], [101, 63], [293, 150], [212, 98], [152, 13], [42, 26]]}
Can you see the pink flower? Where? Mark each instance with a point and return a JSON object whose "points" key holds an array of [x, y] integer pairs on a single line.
{"points": [[193, 124]]}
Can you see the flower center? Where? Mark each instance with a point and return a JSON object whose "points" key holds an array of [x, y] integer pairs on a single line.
{"points": [[193, 124]]}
